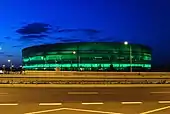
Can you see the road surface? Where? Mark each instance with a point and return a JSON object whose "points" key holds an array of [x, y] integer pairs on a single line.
{"points": [[85, 100]]}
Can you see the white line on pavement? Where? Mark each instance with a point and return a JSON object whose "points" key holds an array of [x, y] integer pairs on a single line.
{"points": [[9, 104], [72, 109], [162, 102], [82, 93], [45, 111], [3, 93], [155, 110], [92, 103], [161, 92], [131, 102], [93, 111], [43, 104]]}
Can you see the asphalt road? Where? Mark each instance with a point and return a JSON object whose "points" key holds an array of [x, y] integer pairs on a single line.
{"points": [[85, 100]]}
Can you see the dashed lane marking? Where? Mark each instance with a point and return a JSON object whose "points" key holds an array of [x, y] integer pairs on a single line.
{"points": [[83, 93], [49, 104], [9, 104], [92, 103], [3, 93], [163, 102], [131, 102]]}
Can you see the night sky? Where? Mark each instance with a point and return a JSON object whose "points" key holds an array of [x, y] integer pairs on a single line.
{"points": [[25, 23]]}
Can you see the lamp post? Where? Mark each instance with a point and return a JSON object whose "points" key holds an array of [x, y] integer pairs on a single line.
{"points": [[130, 54], [10, 64], [3, 66], [78, 60]]}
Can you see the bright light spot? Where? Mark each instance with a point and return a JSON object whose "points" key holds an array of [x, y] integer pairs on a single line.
{"points": [[9, 60], [74, 52], [126, 43]]}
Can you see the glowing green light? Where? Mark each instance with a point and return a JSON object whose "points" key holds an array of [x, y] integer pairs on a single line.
{"points": [[85, 65]]}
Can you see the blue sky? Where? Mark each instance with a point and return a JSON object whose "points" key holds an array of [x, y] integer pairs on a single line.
{"points": [[137, 21]]}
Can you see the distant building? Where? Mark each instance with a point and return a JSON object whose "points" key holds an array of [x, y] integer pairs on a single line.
{"points": [[87, 56]]}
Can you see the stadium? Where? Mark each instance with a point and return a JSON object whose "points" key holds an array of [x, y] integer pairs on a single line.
{"points": [[87, 56]]}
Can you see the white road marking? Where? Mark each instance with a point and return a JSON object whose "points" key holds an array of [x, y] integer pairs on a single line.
{"points": [[45, 111], [161, 92], [131, 102], [93, 111], [3, 93], [45, 104], [82, 93], [73, 109], [162, 102], [155, 110], [9, 104], [92, 103]]}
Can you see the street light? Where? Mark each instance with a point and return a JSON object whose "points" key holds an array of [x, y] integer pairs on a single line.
{"points": [[10, 64], [78, 60], [74, 52], [3, 66], [130, 54]]}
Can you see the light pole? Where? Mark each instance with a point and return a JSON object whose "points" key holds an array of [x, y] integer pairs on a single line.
{"points": [[78, 60], [130, 54], [10, 64], [3, 66]]}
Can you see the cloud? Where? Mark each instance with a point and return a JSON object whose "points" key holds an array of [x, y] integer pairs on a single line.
{"points": [[87, 31], [7, 37], [32, 37], [2, 43], [9, 55], [34, 28], [68, 40], [78, 35], [107, 39], [2, 53], [43, 32], [15, 46]]}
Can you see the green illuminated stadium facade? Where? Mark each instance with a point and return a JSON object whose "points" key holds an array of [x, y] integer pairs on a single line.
{"points": [[86, 56]]}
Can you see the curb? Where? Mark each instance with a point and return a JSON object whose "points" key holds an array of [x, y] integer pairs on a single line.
{"points": [[84, 86]]}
